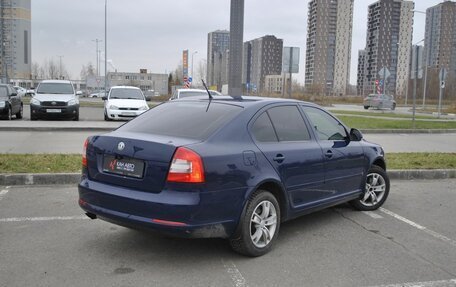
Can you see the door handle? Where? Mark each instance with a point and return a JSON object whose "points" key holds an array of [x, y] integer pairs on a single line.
{"points": [[329, 154], [279, 158]]}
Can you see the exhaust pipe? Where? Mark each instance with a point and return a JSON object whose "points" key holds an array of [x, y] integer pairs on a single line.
{"points": [[91, 215]]}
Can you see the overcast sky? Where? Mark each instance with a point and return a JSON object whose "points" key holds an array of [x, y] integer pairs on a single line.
{"points": [[152, 33]]}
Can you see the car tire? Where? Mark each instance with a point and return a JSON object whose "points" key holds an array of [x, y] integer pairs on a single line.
{"points": [[106, 118], [9, 115], [20, 114], [393, 107], [260, 218], [366, 107], [376, 190], [76, 117]]}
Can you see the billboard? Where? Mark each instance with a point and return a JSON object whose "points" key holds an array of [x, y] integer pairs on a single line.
{"points": [[185, 63], [290, 60]]}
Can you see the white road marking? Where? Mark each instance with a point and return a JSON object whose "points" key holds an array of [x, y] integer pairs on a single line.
{"points": [[235, 274], [373, 214], [2, 193], [442, 283], [420, 227], [51, 218]]}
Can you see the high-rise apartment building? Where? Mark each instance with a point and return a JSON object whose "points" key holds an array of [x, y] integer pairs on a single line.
{"points": [[15, 39], [440, 37], [262, 57], [388, 45], [329, 40], [218, 42], [361, 70]]}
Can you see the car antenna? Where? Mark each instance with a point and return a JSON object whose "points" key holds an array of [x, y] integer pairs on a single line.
{"points": [[207, 90], [209, 93]]}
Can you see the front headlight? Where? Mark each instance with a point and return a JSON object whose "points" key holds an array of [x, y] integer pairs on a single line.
{"points": [[35, 102], [2, 104], [144, 108], [72, 102], [112, 107]]}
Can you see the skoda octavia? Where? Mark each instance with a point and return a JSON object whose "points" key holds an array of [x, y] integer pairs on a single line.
{"points": [[234, 168]]}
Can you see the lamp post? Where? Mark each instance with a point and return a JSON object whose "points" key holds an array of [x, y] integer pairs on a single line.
{"points": [[98, 55], [60, 67], [106, 48], [425, 64], [192, 64]]}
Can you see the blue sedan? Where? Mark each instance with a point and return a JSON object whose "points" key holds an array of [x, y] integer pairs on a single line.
{"points": [[234, 168]]}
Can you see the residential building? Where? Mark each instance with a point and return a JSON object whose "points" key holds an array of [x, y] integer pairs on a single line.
{"points": [[440, 37], [329, 40], [145, 81], [218, 42], [360, 87], [274, 83], [15, 39], [262, 57], [388, 45]]}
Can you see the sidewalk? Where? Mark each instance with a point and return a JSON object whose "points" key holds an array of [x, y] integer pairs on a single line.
{"points": [[74, 178]]}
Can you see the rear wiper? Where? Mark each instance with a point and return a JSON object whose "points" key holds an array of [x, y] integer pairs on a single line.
{"points": [[209, 93]]}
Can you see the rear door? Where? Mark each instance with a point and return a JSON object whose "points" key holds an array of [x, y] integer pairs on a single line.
{"points": [[282, 135], [344, 159]]}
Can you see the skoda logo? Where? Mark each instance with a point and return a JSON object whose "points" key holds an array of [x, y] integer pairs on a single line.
{"points": [[121, 146]]}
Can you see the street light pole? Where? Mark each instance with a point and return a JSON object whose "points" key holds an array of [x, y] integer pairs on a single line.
{"points": [[192, 64], [106, 48], [60, 67], [98, 55]]}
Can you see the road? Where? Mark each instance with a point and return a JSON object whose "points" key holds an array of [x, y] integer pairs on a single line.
{"points": [[71, 142], [46, 241]]}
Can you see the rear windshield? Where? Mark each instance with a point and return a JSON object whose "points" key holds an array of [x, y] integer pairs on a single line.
{"points": [[131, 94], [55, 88], [183, 119]]}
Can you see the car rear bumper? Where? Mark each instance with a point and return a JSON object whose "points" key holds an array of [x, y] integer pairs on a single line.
{"points": [[179, 214], [122, 115], [66, 112]]}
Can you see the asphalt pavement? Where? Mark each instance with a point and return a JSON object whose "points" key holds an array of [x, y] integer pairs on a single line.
{"points": [[47, 241]]}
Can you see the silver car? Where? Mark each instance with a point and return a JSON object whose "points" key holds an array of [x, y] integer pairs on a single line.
{"points": [[379, 101]]}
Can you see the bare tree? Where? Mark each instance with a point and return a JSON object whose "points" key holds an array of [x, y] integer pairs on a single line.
{"points": [[87, 71], [201, 70]]}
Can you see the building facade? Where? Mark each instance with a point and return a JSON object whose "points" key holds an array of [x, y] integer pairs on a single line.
{"points": [[388, 45], [15, 39], [262, 57], [274, 84], [144, 81], [328, 48], [440, 36], [218, 42], [360, 76]]}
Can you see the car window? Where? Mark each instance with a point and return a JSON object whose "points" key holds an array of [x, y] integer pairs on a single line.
{"points": [[288, 123], [326, 127], [55, 88], [3, 92], [131, 94], [194, 120], [262, 129]]}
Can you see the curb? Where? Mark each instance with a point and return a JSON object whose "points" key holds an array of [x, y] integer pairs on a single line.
{"points": [[74, 178]]}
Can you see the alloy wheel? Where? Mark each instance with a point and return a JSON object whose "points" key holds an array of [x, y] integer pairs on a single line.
{"points": [[375, 189], [263, 224]]}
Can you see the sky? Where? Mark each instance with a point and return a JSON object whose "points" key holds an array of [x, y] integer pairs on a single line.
{"points": [[152, 34]]}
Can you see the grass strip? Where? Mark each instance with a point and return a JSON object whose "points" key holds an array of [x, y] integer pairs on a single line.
{"points": [[378, 123], [63, 163], [380, 114]]}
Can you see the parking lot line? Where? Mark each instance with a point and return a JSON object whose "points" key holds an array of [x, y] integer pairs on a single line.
{"points": [[51, 218], [373, 214], [3, 193], [442, 283], [420, 227], [235, 274]]}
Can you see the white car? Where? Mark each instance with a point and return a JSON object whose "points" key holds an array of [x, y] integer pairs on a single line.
{"points": [[184, 93], [20, 91], [124, 103]]}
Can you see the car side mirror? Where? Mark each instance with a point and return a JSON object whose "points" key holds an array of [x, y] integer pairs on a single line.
{"points": [[104, 98], [355, 135]]}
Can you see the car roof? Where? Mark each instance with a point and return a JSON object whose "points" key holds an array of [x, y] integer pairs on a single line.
{"points": [[125, 87], [244, 101], [56, 82]]}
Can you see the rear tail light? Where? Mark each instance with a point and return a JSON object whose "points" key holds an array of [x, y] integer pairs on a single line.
{"points": [[186, 166], [84, 153]]}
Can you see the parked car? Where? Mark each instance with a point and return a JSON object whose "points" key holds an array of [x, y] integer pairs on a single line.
{"points": [[97, 94], [20, 91], [150, 94], [30, 92], [185, 93], [234, 168], [55, 99], [10, 102], [379, 101], [124, 102]]}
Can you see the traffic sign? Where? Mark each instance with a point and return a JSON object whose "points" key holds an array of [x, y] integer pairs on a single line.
{"points": [[190, 79], [384, 73], [442, 84]]}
